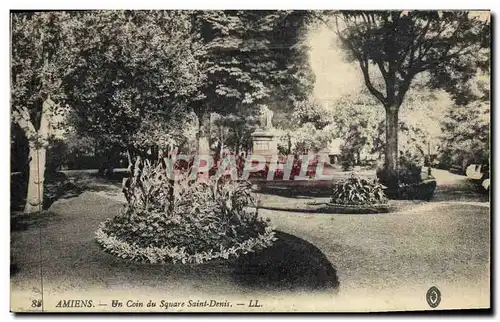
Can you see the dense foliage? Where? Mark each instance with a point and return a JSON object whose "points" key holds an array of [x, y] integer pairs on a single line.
{"points": [[358, 191], [421, 191], [413, 184], [200, 221], [136, 74], [409, 170], [466, 128]]}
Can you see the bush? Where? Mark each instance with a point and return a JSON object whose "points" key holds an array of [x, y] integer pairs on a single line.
{"points": [[56, 185], [419, 191], [410, 168], [357, 191], [189, 222], [410, 182], [57, 155]]}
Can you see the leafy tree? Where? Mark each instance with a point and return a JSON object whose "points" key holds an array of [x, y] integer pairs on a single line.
{"points": [[358, 123], [42, 54], [449, 45], [137, 73], [296, 115], [251, 57], [362, 126], [311, 111], [420, 117], [309, 139], [465, 135]]}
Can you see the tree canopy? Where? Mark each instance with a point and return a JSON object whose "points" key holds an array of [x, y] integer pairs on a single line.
{"points": [[251, 55], [42, 53], [41, 56], [137, 72]]}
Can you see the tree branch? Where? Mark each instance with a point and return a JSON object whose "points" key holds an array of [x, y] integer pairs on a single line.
{"points": [[403, 88], [22, 118], [428, 64], [425, 65], [431, 41]]}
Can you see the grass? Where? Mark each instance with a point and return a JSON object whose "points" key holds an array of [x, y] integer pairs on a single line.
{"points": [[432, 242]]}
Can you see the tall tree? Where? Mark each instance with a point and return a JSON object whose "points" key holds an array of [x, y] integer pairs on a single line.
{"points": [[402, 44], [357, 123], [41, 55]]}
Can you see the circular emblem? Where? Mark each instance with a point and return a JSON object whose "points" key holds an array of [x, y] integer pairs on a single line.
{"points": [[433, 297]]}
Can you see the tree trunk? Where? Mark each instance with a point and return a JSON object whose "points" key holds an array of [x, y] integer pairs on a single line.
{"points": [[130, 159], [391, 146], [202, 143], [34, 198], [37, 161], [237, 147], [289, 142]]}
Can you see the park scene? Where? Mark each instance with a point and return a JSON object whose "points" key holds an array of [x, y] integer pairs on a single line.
{"points": [[250, 160]]}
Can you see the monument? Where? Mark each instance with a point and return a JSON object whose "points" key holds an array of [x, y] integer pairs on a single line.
{"points": [[263, 142]]}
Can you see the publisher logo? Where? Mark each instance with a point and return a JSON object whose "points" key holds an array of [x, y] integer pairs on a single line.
{"points": [[433, 297]]}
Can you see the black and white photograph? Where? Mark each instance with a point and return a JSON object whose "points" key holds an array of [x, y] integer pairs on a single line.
{"points": [[250, 160]]}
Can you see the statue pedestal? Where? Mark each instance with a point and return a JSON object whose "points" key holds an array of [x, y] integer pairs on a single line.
{"points": [[264, 144]]}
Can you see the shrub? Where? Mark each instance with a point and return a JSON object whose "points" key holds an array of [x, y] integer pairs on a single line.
{"points": [[411, 184], [409, 170], [186, 221], [347, 159], [57, 155], [420, 191], [357, 191]]}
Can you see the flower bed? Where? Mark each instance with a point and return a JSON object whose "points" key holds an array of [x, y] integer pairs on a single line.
{"points": [[413, 191], [358, 209], [357, 195], [173, 254]]}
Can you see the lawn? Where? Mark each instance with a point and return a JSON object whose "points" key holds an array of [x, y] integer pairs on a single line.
{"points": [[322, 262]]}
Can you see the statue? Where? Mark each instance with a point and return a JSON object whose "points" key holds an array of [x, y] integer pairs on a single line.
{"points": [[262, 139], [266, 116]]}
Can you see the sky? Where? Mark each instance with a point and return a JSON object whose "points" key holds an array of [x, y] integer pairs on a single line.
{"points": [[335, 77]]}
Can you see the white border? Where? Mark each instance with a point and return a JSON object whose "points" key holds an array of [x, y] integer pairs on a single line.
{"points": [[195, 4], [260, 4]]}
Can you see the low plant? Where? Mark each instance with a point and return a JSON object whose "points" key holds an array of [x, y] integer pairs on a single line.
{"points": [[412, 184], [357, 191], [190, 221], [421, 191]]}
